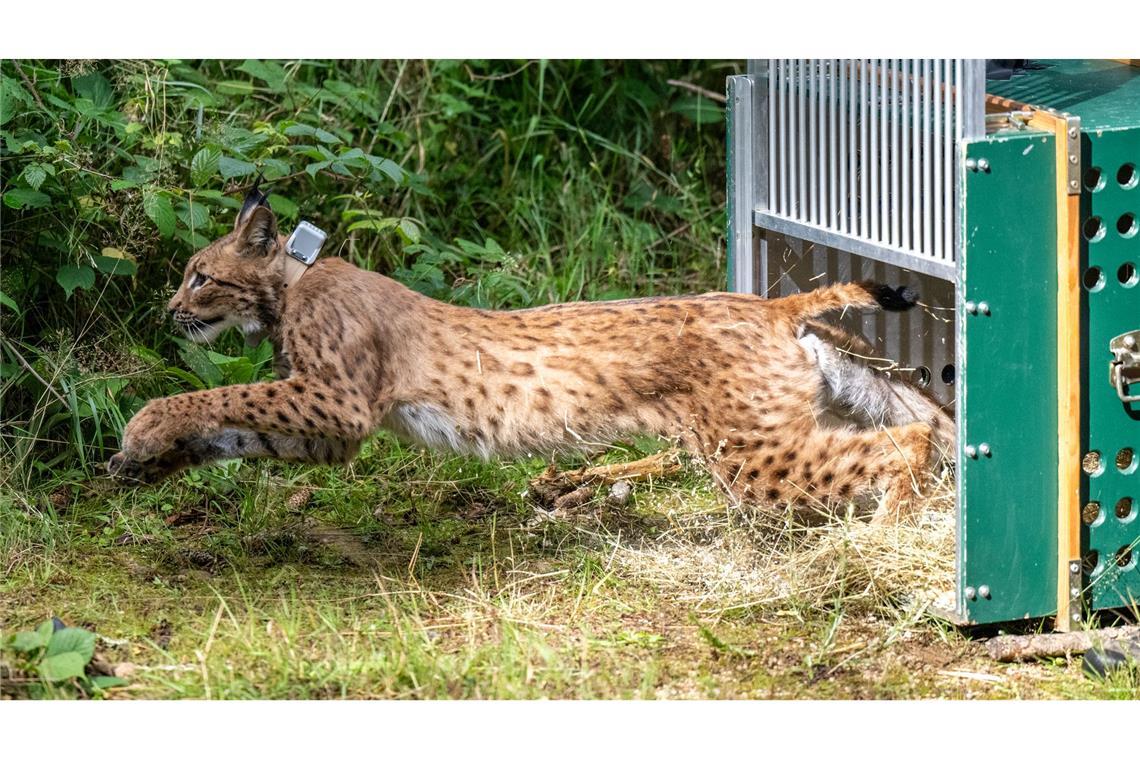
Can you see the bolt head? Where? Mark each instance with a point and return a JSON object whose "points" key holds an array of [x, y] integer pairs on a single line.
{"points": [[984, 591], [1129, 342], [1075, 593], [984, 449], [983, 164], [1073, 159], [971, 451], [1074, 567], [1076, 617], [971, 594], [1073, 184], [971, 307], [984, 308], [972, 164]]}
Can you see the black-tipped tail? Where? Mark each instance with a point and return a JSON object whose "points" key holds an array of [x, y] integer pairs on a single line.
{"points": [[892, 299]]}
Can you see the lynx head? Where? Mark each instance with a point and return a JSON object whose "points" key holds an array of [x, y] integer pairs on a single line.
{"points": [[236, 280]]}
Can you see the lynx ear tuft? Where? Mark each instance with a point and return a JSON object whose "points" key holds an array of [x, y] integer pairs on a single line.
{"points": [[258, 237], [253, 199]]}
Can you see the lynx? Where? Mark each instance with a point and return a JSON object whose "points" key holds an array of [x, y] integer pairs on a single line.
{"points": [[739, 381]]}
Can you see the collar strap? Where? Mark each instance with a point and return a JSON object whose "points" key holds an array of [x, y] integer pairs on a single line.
{"points": [[294, 269], [301, 250]]}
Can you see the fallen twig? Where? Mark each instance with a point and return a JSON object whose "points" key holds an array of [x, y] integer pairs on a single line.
{"points": [[1028, 647]]}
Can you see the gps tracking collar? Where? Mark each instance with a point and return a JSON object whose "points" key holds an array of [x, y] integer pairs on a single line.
{"points": [[301, 250]]}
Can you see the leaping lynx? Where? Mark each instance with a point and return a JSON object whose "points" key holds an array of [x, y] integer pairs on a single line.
{"points": [[737, 380]]}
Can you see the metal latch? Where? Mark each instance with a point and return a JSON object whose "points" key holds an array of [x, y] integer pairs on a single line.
{"points": [[1124, 369]]}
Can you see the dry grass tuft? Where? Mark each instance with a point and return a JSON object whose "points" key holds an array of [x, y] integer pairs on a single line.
{"points": [[735, 559]]}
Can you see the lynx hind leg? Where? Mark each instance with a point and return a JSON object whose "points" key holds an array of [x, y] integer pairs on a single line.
{"points": [[824, 466], [854, 389]]}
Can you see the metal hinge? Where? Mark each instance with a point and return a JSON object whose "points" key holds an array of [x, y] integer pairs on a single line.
{"points": [[1124, 369]]}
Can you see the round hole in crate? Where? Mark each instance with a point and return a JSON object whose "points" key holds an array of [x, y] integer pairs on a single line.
{"points": [[922, 376], [948, 374], [1127, 176], [1093, 229], [1092, 464], [1126, 275], [1126, 225], [1124, 558], [1093, 279], [1090, 561], [1090, 512], [1094, 179], [1125, 512], [1126, 461]]}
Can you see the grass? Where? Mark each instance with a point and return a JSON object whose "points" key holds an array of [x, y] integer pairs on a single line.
{"points": [[415, 575]]}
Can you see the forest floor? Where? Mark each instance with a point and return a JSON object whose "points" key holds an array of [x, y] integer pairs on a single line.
{"points": [[412, 575]]}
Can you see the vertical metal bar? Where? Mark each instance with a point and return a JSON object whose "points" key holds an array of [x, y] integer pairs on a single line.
{"points": [[771, 84], [793, 138], [853, 148], [758, 73], [821, 146], [813, 144], [884, 152], [864, 75], [905, 168], [844, 222], [740, 182], [873, 159], [782, 91], [801, 140], [949, 142], [833, 111], [927, 96], [973, 103], [936, 158], [895, 239]]}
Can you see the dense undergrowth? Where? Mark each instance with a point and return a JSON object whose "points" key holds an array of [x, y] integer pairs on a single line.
{"points": [[491, 183]]}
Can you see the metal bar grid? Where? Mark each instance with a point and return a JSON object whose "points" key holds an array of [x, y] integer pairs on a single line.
{"points": [[866, 150]]}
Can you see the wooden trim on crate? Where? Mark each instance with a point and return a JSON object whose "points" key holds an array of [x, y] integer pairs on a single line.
{"points": [[1068, 368]]}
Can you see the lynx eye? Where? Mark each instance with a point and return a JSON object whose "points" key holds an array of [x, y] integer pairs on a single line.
{"points": [[198, 280]]}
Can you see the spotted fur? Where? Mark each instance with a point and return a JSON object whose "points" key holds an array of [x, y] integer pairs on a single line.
{"points": [[730, 377]]}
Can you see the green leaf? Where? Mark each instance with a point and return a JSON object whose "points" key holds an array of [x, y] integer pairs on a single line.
{"points": [[409, 230], [107, 682], [123, 184], [234, 87], [23, 198], [6, 301], [111, 265], [27, 641], [270, 72], [282, 206], [326, 137], [232, 167], [203, 165], [71, 277], [699, 110], [300, 130], [78, 640], [96, 88], [63, 666], [158, 208], [34, 175]]}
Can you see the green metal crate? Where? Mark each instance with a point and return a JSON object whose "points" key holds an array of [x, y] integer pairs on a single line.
{"points": [[1012, 273]]}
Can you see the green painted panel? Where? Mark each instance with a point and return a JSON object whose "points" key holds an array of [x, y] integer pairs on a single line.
{"points": [[1007, 521], [1105, 94], [1110, 308]]}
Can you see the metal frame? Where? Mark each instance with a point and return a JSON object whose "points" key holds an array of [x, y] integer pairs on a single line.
{"points": [[856, 154]]}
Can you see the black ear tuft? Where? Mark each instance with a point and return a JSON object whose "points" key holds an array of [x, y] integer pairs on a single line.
{"points": [[891, 299], [254, 198], [258, 236]]}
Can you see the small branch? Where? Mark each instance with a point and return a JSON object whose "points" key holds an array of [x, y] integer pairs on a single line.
{"points": [[718, 97], [1018, 648], [31, 85]]}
